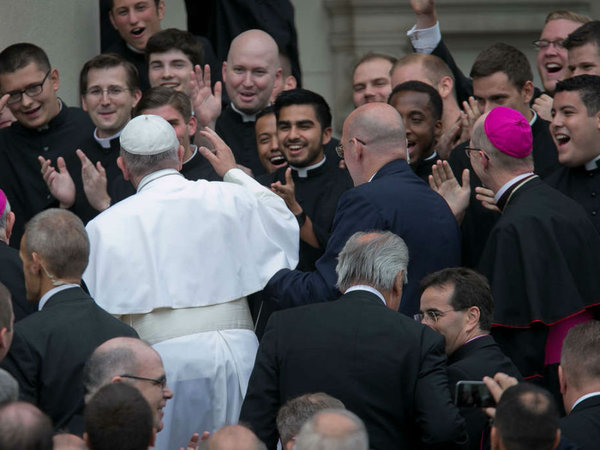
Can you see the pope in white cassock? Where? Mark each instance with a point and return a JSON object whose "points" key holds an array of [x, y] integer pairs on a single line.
{"points": [[177, 260]]}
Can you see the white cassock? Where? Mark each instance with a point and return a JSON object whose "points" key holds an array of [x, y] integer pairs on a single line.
{"points": [[176, 261]]}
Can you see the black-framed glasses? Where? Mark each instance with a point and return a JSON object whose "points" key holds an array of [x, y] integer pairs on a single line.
{"points": [[162, 381], [468, 151], [31, 91], [339, 149], [111, 91], [432, 315], [542, 44]]}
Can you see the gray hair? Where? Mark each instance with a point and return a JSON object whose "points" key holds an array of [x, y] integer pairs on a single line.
{"points": [[59, 237], [295, 412], [104, 364], [313, 436], [4, 219], [374, 258], [9, 388], [141, 165]]}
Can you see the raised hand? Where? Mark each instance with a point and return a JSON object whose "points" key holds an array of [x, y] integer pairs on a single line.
{"points": [[94, 182], [543, 107], [220, 157], [287, 192], [425, 11], [470, 116], [497, 386], [486, 197], [59, 182], [206, 103], [444, 183]]}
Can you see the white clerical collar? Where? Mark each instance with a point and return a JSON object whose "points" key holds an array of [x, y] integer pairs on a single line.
{"points": [[155, 176], [534, 118], [46, 126], [105, 142], [364, 287], [584, 397], [593, 164], [430, 157], [507, 185], [303, 171], [133, 49], [195, 148], [53, 291], [245, 117]]}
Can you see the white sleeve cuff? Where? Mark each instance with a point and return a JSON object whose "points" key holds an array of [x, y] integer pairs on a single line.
{"points": [[425, 40]]}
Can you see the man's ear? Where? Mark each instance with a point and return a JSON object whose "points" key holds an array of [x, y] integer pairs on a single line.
{"points": [[326, 136], [438, 129], [124, 170], [10, 223], [36, 263], [445, 87], [192, 126], [224, 72], [137, 95], [3, 340], [54, 79], [562, 380], [527, 91], [473, 314]]}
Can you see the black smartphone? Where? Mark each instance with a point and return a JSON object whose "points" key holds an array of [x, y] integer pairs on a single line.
{"points": [[473, 394]]}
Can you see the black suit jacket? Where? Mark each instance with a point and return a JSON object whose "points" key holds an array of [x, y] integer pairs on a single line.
{"points": [[395, 200], [385, 367], [11, 275], [51, 346], [473, 361], [582, 425]]}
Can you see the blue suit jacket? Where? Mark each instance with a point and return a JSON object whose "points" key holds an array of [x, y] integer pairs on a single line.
{"points": [[395, 200]]}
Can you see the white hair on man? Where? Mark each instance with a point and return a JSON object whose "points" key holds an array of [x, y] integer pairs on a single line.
{"points": [[333, 429]]}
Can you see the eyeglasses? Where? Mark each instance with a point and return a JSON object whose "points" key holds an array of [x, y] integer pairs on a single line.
{"points": [[432, 315], [162, 381], [468, 151], [31, 91], [339, 149], [111, 91], [542, 44]]}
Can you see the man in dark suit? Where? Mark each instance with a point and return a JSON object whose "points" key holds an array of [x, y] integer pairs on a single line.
{"points": [[384, 367], [387, 196], [579, 374], [11, 267], [51, 346], [457, 303]]}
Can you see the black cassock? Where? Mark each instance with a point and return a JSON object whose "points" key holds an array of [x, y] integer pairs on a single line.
{"points": [[542, 260]]}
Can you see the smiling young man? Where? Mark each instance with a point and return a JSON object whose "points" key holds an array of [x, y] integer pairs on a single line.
{"points": [[250, 73], [45, 127], [371, 79], [420, 106], [267, 143], [312, 184], [583, 46], [575, 128], [172, 55], [552, 62], [136, 21]]}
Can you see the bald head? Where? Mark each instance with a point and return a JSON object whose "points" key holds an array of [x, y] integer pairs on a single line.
{"points": [[114, 357], [66, 441], [24, 427], [373, 135], [234, 437], [333, 429], [379, 125], [251, 71]]}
